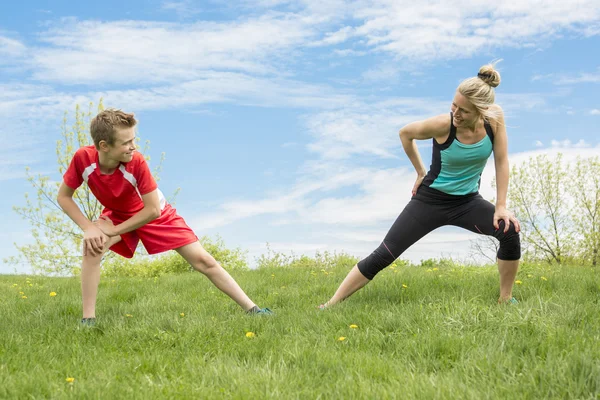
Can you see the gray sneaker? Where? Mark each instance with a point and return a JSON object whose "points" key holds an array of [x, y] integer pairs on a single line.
{"points": [[88, 322], [260, 311]]}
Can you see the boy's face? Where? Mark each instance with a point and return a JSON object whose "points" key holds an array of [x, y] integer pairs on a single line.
{"points": [[124, 145]]}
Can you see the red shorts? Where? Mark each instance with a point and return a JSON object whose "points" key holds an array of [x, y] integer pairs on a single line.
{"points": [[167, 232]]}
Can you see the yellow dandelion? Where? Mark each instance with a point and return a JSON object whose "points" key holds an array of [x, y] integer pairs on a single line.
{"points": [[70, 380], [529, 276], [15, 285], [341, 338], [52, 294], [436, 269], [30, 285], [518, 282], [23, 297], [182, 314], [404, 286], [544, 278], [128, 315], [272, 275], [21, 293], [429, 270], [353, 326], [283, 287], [250, 334]]}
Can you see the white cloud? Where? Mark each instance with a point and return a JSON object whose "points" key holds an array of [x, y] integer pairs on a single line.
{"points": [[368, 129], [440, 30], [44, 103], [539, 144], [182, 8], [349, 52], [334, 38], [387, 73], [88, 52], [570, 79], [595, 111], [581, 78], [566, 144], [10, 48]]}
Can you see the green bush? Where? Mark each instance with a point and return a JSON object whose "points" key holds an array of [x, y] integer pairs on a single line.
{"points": [[323, 260], [145, 266], [172, 263], [229, 259]]}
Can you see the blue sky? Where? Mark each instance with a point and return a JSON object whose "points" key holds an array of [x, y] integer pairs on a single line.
{"points": [[280, 118]]}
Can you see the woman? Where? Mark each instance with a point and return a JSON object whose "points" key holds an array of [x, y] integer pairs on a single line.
{"points": [[448, 193]]}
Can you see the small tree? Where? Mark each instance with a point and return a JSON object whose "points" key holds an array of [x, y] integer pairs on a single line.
{"points": [[538, 193], [57, 241], [585, 188]]}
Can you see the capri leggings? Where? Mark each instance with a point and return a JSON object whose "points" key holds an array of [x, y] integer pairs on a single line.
{"points": [[430, 209]]}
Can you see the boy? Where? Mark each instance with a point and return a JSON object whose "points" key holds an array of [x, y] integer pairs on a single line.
{"points": [[135, 210]]}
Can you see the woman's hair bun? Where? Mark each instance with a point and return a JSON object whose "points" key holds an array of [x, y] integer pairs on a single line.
{"points": [[489, 75]]}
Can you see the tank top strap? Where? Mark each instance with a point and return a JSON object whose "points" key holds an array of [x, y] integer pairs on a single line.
{"points": [[452, 135], [489, 130]]}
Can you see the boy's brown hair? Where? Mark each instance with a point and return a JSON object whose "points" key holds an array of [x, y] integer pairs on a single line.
{"points": [[103, 125]]}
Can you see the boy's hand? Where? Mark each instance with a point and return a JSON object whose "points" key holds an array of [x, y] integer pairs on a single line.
{"points": [[93, 241], [106, 226]]}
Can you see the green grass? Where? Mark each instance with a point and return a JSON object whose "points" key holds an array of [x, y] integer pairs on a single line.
{"points": [[443, 336]]}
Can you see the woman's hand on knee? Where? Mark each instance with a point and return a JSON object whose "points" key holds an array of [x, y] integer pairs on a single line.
{"points": [[502, 214]]}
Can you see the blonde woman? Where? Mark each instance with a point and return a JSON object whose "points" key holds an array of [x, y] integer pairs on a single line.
{"points": [[448, 194]]}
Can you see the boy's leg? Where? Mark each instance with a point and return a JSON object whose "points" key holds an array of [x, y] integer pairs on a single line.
{"points": [[90, 277], [203, 262]]}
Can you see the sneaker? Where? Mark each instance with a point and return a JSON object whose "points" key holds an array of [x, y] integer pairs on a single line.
{"points": [[511, 301], [260, 311], [88, 322]]}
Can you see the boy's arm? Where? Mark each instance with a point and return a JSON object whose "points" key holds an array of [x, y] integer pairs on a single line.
{"points": [[93, 238], [150, 212]]}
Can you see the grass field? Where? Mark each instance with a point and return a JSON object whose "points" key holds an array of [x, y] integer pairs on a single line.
{"points": [[411, 333]]}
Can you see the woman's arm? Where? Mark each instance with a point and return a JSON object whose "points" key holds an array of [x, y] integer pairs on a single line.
{"points": [[437, 127], [502, 173]]}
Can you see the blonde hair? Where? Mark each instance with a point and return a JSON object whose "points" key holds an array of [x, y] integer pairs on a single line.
{"points": [[103, 125], [479, 90]]}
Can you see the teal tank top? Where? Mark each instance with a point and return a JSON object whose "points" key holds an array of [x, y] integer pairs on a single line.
{"points": [[456, 167]]}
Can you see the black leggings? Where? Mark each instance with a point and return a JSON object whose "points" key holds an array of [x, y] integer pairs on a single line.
{"points": [[430, 209]]}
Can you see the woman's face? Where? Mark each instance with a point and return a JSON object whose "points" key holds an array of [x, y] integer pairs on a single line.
{"points": [[464, 114]]}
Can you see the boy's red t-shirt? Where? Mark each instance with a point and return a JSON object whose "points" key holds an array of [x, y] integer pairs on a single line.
{"points": [[120, 191]]}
